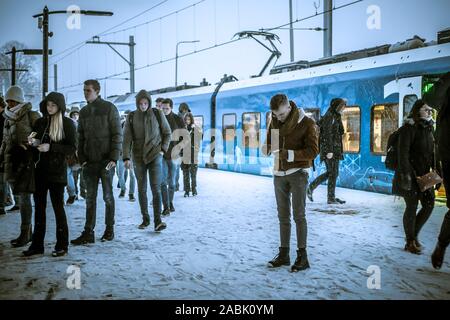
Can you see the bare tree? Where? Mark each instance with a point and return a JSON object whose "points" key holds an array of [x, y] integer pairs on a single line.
{"points": [[29, 81]]}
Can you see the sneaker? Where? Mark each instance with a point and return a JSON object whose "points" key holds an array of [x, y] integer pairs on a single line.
{"points": [[85, 238], [336, 201], [83, 194], [437, 258], [32, 252], [194, 192], [144, 225], [122, 194], [172, 208], [108, 235], [161, 226], [71, 200], [131, 198], [13, 209], [309, 194], [59, 253], [186, 194], [166, 212], [411, 247]]}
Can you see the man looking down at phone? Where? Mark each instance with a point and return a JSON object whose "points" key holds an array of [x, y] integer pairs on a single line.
{"points": [[99, 148]]}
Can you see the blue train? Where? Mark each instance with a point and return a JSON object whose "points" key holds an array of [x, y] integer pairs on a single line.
{"points": [[380, 86]]}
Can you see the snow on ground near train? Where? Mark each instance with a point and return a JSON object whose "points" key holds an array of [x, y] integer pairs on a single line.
{"points": [[217, 245]]}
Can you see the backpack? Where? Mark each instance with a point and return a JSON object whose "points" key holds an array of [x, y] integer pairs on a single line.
{"points": [[391, 161]]}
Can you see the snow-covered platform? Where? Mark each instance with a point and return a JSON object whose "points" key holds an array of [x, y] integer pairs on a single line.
{"points": [[217, 245]]}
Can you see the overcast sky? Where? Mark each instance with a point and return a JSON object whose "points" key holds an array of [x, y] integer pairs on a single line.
{"points": [[211, 22]]}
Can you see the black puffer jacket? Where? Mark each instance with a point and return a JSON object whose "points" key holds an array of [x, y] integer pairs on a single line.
{"points": [[52, 165], [99, 132], [415, 156], [443, 128], [175, 123], [331, 132]]}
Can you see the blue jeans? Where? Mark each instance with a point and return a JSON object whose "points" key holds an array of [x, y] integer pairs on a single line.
{"points": [[93, 172], [154, 172], [168, 182], [122, 175], [177, 178], [71, 189]]}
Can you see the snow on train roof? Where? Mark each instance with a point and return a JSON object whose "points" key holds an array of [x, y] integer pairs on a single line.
{"points": [[390, 59]]}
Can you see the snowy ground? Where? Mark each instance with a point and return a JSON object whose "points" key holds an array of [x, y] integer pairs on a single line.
{"points": [[217, 245]]}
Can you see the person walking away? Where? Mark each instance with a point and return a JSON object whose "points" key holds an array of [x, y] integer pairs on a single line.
{"points": [[170, 160], [415, 159], [189, 164], [331, 150], [147, 136], [54, 139], [293, 140], [17, 156], [99, 147]]}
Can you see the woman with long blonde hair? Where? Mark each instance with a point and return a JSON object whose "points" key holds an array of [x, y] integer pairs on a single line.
{"points": [[53, 139]]}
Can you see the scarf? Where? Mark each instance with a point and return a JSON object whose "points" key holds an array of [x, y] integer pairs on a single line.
{"points": [[13, 113]]}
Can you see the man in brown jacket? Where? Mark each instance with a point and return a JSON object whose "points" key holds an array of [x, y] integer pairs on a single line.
{"points": [[293, 140]]}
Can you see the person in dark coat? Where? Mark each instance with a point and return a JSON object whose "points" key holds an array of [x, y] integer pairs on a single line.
{"points": [[331, 150], [415, 159], [53, 139], [183, 109], [99, 148], [17, 158], [443, 140], [189, 164], [169, 159]]}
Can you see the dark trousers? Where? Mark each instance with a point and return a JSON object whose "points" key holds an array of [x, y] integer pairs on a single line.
{"points": [[3, 191], [331, 175], [292, 185], [444, 235], [92, 173], [154, 172], [40, 202], [413, 221], [189, 177]]}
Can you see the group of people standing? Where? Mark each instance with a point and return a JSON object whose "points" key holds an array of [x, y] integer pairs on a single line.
{"points": [[42, 152]]}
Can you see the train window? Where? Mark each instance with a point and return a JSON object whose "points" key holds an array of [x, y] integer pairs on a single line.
{"points": [[408, 102], [251, 124], [351, 118], [313, 113], [384, 121], [198, 120], [229, 127]]}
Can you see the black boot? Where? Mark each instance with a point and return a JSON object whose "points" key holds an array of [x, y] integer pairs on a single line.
{"points": [[24, 238], [437, 258], [281, 259], [108, 235], [186, 194], [172, 208], [85, 238], [166, 212], [301, 263], [32, 251], [194, 192], [309, 194]]}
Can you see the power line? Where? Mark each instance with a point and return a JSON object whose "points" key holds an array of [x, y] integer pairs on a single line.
{"points": [[314, 15], [102, 34]]}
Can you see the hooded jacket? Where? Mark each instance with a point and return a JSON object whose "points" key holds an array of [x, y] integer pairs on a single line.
{"points": [[298, 135], [144, 136], [99, 132], [15, 133], [52, 165], [175, 123], [331, 132]]}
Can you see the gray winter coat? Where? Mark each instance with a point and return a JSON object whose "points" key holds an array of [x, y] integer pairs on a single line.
{"points": [[144, 138], [99, 132]]}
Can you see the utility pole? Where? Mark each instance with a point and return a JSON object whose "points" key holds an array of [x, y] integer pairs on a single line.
{"points": [[43, 24], [176, 59], [328, 26], [13, 54], [291, 27], [55, 77], [131, 44]]}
